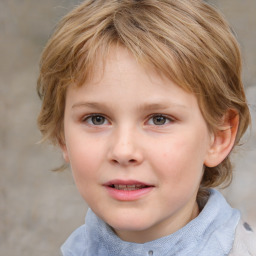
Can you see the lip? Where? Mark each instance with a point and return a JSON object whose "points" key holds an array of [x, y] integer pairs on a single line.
{"points": [[128, 195]]}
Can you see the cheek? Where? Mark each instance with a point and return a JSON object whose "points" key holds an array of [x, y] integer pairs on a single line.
{"points": [[84, 159], [84, 166], [179, 162]]}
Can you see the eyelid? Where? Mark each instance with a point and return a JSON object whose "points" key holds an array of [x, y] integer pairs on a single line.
{"points": [[169, 118], [86, 117]]}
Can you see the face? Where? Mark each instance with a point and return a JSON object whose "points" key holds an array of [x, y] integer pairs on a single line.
{"points": [[137, 144]]}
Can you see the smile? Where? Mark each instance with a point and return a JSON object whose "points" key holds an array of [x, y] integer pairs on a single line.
{"points": [[128, 187], [127, 190]]}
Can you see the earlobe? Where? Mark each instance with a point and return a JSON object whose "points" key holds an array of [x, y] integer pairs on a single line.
{"points": [[65, 156], [64, 152], [63, 147], [223, 140]]}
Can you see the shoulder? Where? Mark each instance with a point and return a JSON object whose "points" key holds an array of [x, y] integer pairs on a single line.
{"points": [[75, 244], [245, 241]]}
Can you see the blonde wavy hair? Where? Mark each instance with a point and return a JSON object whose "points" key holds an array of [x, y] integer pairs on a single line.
{"points": [[186, 40]]}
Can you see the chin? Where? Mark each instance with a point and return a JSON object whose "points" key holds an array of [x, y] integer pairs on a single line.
{"points": [[128, 223]]}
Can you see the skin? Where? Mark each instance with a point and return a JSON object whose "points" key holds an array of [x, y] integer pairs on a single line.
{"points": [[144, 128]]}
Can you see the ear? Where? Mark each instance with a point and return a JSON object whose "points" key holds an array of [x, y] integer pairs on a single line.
{"points": [[223, 140], [64, 150], [65, 153]]}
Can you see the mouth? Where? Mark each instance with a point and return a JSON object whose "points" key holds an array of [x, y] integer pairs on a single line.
{"points": [[128, 190], [126, 187], [129, 185]]}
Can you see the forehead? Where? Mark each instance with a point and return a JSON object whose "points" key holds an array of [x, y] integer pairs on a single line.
{"points": [[121, 76], [117, 58]]}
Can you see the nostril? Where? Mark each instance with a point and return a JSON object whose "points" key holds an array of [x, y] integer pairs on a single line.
{"points": [[116, 161]]}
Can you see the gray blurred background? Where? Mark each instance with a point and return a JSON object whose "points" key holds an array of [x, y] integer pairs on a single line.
{"points": [[40, 208]]}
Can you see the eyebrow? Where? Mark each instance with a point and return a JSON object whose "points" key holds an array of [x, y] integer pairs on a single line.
{"points": [[143, 107], [89, 105], [162, 106]]}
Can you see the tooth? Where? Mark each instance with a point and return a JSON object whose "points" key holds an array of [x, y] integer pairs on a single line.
{"points": [[120, 186], [128, 187], [131, 186]]}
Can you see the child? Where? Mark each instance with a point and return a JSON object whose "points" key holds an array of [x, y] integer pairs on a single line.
{"points": [[146, 102]]}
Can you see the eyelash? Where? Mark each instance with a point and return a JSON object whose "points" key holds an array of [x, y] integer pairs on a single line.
{"points": [[89, 119], [91, 116], [167, 119]]}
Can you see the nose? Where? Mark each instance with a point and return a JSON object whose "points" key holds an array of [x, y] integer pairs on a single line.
{"points": [[125, 148]]}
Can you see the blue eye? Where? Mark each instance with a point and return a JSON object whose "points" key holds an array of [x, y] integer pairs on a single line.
{"points": [[96, 120], [159, 120]]}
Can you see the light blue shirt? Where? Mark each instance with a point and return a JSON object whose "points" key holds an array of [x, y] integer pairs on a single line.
{"points": [[211, 233]]}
